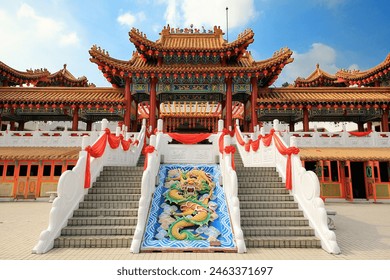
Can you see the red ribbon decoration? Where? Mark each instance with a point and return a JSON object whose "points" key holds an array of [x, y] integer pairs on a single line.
{"points": [[189, 138], [97, 150], [231, 150], [286, 151], [360, 134], [225, 131], [148, 150]]}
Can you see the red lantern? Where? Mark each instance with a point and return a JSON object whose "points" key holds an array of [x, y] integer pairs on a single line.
{"points": [[89, 106], [81, 106], [277, 107], [104, 107], [285, 107], [335, 106], [351, 106], [328, 107], [38, 106], [376, 106], [359, 106], [293, 107], [46, 106], [61, 106], [368, 107], [319, 106], [343, 106], [14, 106], [22, 106], [269, 106], [300, 106], [97, 106], [308, 107], [119, 107], [111, 109], [261, 106]]}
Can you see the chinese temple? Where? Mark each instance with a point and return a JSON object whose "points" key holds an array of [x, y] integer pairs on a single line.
{"points": [[191, 78], [188, 81]]}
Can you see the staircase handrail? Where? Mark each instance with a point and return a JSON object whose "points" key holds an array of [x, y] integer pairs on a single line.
{"points": [[148, 185], [304, 185], [230, 187], [71, 188]]}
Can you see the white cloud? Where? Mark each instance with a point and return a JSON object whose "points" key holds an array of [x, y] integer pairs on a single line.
{"points": [[43, 26], [42, 39], [69, 39], [354, 67], [129, 19], [209, 13], [304, 63]]}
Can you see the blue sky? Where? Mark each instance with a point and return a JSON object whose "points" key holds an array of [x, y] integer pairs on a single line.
{"points": [[348, 34]]}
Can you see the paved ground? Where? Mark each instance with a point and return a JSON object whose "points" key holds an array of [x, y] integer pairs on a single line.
{"points": [[362, 229]]}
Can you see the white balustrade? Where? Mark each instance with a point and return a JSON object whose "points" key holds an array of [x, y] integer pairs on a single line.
{"points": [[71, 189], [305, 185]]}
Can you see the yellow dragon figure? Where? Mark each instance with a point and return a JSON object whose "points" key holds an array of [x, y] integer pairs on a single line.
{"points": [[193, 211]]}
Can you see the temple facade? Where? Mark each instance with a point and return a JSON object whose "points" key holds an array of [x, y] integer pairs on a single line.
{"points": [[191, 78]]}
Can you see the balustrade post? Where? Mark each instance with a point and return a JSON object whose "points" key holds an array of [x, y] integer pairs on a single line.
{"points": [[220, 125]]}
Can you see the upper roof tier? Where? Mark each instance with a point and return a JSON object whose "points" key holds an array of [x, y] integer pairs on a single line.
{"points": [[190, 53], [318, 78], [191, 40], [39, 77]]}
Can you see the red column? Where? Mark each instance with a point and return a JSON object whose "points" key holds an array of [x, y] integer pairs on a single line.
{"points": [[21, 126], [253, 104], [135, 122], [305, 119], [229, 103], [292, 126], [360, 126], [152, 110], [245, 122], [385, 120], [89, 125], [75, 122], [127, 103]]}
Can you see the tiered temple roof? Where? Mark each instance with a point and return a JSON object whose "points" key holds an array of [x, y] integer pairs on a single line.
{"points": [[318, 78], [190, 54], [39, 77], [370, 77]]}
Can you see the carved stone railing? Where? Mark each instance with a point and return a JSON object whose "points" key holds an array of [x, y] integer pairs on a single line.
{"points": [[71, 185], [230, 187], [305, 185], [342, 139]]}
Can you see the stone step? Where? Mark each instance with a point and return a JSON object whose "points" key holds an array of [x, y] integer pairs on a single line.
{"points": [[254, 169], [102, 221], [258, 179], [102, 190], [114, 173], [259, 197], [271, 213], [277, 231], [261, 185], [124, 168], [136, 185], [119, 179], [97, 230], [93, 242], [257, 174], [263, 191], [105, 212], [282, 242], [109, 205], [268, 205], [112, 197], [274, 221]]}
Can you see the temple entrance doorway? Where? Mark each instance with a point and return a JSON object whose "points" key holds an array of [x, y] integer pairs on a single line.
{"points": [[358, 180]]}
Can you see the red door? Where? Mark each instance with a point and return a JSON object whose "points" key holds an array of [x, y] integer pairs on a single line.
{"points": [[370, 179], [347, 181]]}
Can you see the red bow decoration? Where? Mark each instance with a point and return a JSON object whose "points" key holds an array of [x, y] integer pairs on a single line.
{"points": [[148, 150], [231, 150]]}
